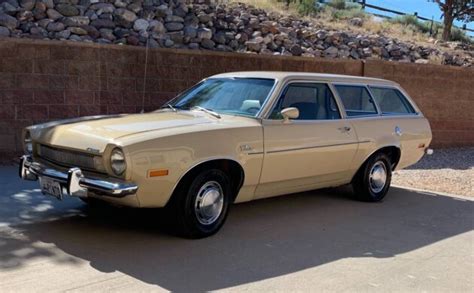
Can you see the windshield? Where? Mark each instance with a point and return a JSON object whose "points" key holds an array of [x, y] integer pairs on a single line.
{"points": [[239, 96]]}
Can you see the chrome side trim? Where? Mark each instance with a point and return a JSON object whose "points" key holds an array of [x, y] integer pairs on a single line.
{"points": [[314, 147], [74, 182]]}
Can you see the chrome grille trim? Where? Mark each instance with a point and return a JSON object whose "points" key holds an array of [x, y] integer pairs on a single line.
{"points": [[66, 157]]}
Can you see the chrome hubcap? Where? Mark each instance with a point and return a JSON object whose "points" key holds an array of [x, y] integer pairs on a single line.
{"points": [[378, 177], [209, 203]]}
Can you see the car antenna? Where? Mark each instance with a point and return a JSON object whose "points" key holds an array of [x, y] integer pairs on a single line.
{"points": [[144, 75]]}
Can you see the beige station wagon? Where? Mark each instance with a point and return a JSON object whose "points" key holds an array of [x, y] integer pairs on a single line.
{"points": [[232, 138]]}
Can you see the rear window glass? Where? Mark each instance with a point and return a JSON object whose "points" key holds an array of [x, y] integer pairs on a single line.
{"points": [[391, 101], [356, 100]]}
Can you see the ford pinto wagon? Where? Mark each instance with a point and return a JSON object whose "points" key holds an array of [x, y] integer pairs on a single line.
{"points": [[232, 138]]}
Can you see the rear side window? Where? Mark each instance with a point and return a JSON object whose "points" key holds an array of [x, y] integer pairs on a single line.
{"points": [[313, 100], [356, 100], [391, 101]]}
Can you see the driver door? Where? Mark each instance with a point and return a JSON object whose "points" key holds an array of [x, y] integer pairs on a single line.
{"points": [[312, 151]]}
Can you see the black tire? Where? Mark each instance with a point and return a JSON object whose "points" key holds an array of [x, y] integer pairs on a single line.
{"points": [[182, 208], [364, 187]]}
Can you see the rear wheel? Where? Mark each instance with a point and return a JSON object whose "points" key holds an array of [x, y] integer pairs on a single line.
{"points": [[200, 206], [373, 180]]}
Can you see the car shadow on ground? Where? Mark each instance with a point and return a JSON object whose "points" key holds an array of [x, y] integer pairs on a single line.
{"points": [[260, 240]]}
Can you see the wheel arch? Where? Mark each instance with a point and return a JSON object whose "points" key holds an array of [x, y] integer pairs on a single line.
{"points": [[392, 151], [230, 166]]}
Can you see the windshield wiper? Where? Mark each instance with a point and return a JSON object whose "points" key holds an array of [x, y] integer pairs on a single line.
{"points": [[169, 106], [215, 114]]}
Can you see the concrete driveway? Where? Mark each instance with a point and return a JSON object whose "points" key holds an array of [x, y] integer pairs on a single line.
{"points": [[313, 241]]}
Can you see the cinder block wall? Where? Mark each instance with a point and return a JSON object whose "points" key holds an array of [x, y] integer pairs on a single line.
{"points": [[48, 80]]}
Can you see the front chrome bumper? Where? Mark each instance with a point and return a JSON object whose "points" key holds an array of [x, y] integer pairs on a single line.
{"points": [[74, 182]]}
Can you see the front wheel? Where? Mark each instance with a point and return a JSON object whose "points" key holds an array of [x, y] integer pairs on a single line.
{"points": [[373, 180], [200, 206]]}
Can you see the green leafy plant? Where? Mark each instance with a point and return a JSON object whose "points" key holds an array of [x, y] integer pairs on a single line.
{"points": [[308, 7], [337, 4]]}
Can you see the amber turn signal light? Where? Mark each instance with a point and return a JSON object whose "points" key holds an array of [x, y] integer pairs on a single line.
{"points": [[157, 173]]}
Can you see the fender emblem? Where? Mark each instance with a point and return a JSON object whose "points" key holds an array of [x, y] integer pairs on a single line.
{"points": [[95, 151], [245, 148]]}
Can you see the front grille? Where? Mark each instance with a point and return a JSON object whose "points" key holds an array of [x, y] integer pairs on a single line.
{"points": [[66, 158]]}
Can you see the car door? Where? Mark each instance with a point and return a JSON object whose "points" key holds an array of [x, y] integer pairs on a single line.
{"points": [[311, 151]]}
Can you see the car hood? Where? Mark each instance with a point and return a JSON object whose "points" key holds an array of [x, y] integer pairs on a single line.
{"points": [[95, 132]]}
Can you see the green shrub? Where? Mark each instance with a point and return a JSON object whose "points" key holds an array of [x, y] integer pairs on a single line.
{"points": [[337, 4], [459, 35], [308, 7], [347, 14]]}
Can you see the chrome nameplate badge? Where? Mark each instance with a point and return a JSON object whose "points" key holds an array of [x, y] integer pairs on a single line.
{"points": [[92, 150]]}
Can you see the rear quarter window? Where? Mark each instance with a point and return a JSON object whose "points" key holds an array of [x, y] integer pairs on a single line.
{"points": [[391, 101], [356, 100]]}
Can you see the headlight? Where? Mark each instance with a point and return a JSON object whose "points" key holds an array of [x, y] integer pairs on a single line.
{"points": [[28, 143], [117, 161]]}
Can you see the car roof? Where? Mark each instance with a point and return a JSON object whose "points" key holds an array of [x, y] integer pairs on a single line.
{"points": [[281, 75]]}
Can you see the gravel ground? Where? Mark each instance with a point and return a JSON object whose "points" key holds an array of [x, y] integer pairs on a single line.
{"points": [[447, 170]]}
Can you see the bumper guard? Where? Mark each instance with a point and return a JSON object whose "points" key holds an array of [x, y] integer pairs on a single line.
{"points": [[74, 181]]}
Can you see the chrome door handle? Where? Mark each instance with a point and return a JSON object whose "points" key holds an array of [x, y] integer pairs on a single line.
{"points": [[398, 131], [345, 129]]}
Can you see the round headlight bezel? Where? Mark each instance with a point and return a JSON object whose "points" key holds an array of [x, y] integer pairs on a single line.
{"points": [[118, 163], [28, 143]]}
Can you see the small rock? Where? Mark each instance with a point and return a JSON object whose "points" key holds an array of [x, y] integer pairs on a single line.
{"points": [[102, 8], [63, 34], [78, 31], [67, 10], [174, 18], [76, 21], [135, 7], [193, 46], [174, 26], [4, 32], [125, 17], [8, 8], [53, 14], [204, 18], [168, 43], [103, 23], [55, 27], [207, 44], [204, 33], [422, 61], [120, 4], [107, 34], [162, 11], [157, 27], [28, 4], [364, 42], [253, 45], [132, 40], [140, 25], [356, 21], [331, 52], [91, 31], [190, 31], [296, 50]]}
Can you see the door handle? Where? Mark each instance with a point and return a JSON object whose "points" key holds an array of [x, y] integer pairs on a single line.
{"points": [[398, 131], [345, 129]]}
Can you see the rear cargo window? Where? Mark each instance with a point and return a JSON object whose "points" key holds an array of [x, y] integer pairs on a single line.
{"points": [[391, 101], [356, 100]]}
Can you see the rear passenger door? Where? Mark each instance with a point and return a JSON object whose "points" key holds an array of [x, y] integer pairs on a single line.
{"points": [[314, 150]]}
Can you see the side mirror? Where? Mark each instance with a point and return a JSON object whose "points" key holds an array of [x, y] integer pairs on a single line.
{"points": [[290, 113]]}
